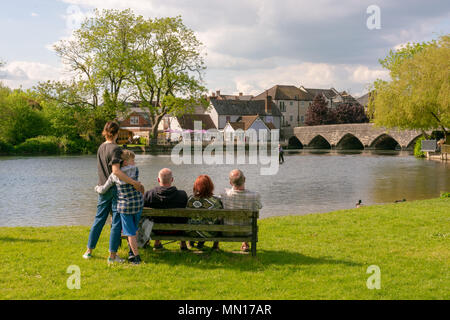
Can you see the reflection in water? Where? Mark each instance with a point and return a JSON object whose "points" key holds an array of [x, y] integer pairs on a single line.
{"points": [[60, 190]]}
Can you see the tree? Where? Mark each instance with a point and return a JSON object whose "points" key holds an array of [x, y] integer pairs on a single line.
{"points": [[117, 55], [167, 69], [350, 113], [20, 117], [319, 113], [99, 55], [418, 94]]}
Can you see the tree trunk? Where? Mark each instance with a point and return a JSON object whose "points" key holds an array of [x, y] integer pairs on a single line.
{"points": [[154, 135]]}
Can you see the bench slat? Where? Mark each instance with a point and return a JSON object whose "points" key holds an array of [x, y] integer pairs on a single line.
{"points": [[193, 213], [202, 227], [186, 238]]}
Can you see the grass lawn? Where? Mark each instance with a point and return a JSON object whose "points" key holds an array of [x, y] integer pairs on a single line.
{"points": [[318, 256]]}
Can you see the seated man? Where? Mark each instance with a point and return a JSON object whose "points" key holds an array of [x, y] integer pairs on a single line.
{"points": [[166, 196], [239, 198]]}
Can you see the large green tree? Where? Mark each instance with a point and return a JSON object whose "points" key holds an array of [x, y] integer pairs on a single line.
{"points": [[418, 94], [167, 69], [116, 56]]}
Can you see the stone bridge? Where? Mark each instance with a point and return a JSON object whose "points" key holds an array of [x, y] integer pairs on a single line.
{"points": [[353, 136]]}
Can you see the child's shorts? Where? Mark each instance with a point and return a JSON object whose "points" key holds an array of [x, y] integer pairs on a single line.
{"points": [[130, 223]]}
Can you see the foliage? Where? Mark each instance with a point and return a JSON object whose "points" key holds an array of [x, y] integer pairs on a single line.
{"points": [[5, 147], [115, 56], [350, 113], [445, 195], [143, 141], [319, 113], [418, 153], [167, 69], [39, 145], [418, 95], [316, 256], [54, 145], [20, 117]]}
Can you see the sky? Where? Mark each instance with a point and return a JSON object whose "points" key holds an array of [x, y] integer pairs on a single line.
{"points": [[251, 45]]}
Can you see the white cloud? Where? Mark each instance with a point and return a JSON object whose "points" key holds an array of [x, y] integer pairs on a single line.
{"points": [[34, 14], [352, 78], [26, 74], [254, 44]]}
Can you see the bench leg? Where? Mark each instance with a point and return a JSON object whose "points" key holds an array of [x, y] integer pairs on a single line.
{"points": [[253, 248]]}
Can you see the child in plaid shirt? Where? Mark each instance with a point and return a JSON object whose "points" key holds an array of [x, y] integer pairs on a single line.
{"points": [[130, 202]]}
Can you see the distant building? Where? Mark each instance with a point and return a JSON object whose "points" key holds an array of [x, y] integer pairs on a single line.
{"points": [[225, 111], [174, 127], [291, 101], [217, 95], [245, 123], [364, 100], [332, 96], [136, 122]]}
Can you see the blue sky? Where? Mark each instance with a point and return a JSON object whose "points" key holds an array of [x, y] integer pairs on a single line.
{"points": [[251, 44]]}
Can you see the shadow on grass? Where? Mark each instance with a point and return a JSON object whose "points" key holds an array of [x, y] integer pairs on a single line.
{"points": [[226, 259], [9, 239]]}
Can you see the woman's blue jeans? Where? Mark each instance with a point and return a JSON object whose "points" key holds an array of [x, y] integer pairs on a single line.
{"points": [[106, 203]]}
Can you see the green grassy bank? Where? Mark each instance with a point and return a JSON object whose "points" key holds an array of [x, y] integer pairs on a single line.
{"points": [[322, 256]]}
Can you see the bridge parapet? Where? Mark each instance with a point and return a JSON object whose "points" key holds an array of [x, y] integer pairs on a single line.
{"points": [[367, 133]]}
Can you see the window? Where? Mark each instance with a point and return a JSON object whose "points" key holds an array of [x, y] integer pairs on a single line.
{"points": [[302, 119], [291, 118], [291, 103], [134, 120], [282, 106]]}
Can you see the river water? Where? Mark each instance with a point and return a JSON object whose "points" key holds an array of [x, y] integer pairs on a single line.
{"points": [[46, 191]]}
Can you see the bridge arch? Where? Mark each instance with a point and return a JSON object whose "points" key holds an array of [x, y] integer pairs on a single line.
{"points": [[349, 142], [319, 142], [412, 143], [385, 142], [295, 143]]}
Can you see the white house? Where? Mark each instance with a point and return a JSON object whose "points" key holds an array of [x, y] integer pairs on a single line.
{"points": [[245, 123], [173, 127], [224, 111]]}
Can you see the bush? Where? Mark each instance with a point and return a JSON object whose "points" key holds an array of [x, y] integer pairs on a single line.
{"points": [[55, 145], [143, 141], [41, 144], [445, 195], [5, 147], [418, 148]]}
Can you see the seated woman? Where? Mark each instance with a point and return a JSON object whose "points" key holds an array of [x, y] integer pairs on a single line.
{"points": [[203, 199]]}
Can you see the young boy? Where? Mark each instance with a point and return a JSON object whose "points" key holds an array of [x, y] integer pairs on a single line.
{"points": [[130, 202]]}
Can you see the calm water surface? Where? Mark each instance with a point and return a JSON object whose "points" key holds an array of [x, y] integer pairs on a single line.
{"points": [[44, 191]]}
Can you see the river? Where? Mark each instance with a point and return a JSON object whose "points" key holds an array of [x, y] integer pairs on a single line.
{"points": [[48, 191]]}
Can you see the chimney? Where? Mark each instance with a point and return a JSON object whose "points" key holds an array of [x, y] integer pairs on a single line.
{"points": [[213, 94], [240, 94], [218, 92], [268, 105]]}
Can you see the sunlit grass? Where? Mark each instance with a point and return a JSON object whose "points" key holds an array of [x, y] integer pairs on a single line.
{"points": [[318, 256]]}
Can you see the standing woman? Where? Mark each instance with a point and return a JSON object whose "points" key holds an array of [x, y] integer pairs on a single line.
{"points": [[108, 161]]}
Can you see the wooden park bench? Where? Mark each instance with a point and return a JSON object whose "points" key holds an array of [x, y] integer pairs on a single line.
{"points": [[251, 228]]}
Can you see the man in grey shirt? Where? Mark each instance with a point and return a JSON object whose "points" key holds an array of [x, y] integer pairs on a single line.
{"points": [[239, 198]]}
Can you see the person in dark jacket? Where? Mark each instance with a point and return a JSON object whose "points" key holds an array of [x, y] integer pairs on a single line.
{"points": [[166, 196]]}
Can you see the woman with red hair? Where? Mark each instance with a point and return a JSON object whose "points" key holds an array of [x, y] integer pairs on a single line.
{"points": [[203, 198]]}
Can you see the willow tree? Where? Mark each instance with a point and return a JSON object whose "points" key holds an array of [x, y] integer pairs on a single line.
{"points": [[167, 69], [418, 94]]}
